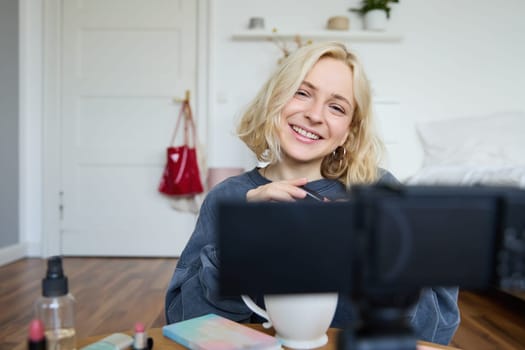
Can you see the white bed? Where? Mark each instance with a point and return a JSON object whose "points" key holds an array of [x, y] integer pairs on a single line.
{"points": [[486, 150]]}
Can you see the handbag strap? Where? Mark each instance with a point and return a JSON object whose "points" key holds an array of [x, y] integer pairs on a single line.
{"points": [[189, 125]]}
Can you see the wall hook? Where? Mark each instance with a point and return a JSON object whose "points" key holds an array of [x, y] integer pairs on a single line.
{"points": [[185, 99]]}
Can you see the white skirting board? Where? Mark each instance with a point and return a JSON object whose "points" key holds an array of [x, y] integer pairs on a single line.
{"points": [[13, 252]]}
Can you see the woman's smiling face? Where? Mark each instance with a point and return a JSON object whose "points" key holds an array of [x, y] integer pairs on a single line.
{"points": [[317, 118]]}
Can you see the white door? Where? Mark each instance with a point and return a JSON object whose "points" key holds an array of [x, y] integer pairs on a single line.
{"points": [[123, 62]]}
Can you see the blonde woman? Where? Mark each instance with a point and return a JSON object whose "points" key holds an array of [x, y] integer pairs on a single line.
{"points": [[311, 123]]}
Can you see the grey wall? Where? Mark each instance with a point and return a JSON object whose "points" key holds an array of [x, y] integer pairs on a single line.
{"points": [[9, 225]]}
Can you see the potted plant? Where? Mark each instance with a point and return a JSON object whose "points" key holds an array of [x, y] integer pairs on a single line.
{"points": [[375, 13]]}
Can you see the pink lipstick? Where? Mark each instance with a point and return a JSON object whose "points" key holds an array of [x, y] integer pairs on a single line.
{"points": [[37, 339]]}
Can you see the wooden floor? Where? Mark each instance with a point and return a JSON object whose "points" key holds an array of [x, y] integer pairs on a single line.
{"points": [[114, 293]]}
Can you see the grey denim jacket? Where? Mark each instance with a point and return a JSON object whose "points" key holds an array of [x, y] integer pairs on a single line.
{"points": [[194, 290]]}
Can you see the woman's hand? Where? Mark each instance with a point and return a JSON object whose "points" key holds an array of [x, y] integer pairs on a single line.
{"points": [[278, 191]]}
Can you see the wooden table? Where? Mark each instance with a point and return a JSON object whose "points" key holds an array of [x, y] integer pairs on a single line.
{"points": [[163, 343]]}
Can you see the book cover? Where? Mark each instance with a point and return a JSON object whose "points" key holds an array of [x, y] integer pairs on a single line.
{"points": [[213, 332]]}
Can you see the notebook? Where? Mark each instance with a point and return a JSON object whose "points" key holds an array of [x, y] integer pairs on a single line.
{"points": [[213, 332]]}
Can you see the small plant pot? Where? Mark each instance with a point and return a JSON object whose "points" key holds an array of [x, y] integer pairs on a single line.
{"points": [[375, 20], [338, 23]]}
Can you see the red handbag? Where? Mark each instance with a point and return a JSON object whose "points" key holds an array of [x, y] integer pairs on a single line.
{"points": [[181, 175]]}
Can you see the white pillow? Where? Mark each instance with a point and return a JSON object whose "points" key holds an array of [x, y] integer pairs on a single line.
{"points": [[495, 139]]}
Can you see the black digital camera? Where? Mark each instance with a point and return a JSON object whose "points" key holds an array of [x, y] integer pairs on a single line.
{"points": [[380, 247]]}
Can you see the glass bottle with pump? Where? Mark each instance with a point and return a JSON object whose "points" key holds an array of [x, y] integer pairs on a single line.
{"points": [[55, 308]]}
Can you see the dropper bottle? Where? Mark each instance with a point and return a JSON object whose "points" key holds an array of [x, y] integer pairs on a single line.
{"points": [[55, 308]]}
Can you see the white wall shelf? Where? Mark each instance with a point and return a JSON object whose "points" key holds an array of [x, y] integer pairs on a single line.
{"points": [[342, 35]]}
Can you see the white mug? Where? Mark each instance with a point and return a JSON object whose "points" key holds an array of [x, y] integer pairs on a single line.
{"points": [[256, 23], [300, 320]]}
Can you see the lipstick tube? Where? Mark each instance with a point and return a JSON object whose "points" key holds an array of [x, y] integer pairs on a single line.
{"points": [[37, 338]]}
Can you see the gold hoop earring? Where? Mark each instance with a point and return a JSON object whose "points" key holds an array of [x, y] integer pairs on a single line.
{"points": [[339, 153]]}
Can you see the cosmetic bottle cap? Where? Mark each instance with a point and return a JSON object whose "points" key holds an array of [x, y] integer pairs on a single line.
{"points": [[55, 283], [139, 327]]}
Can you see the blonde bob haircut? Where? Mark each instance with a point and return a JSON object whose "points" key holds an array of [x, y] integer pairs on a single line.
{"points": [[357, 162]]}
